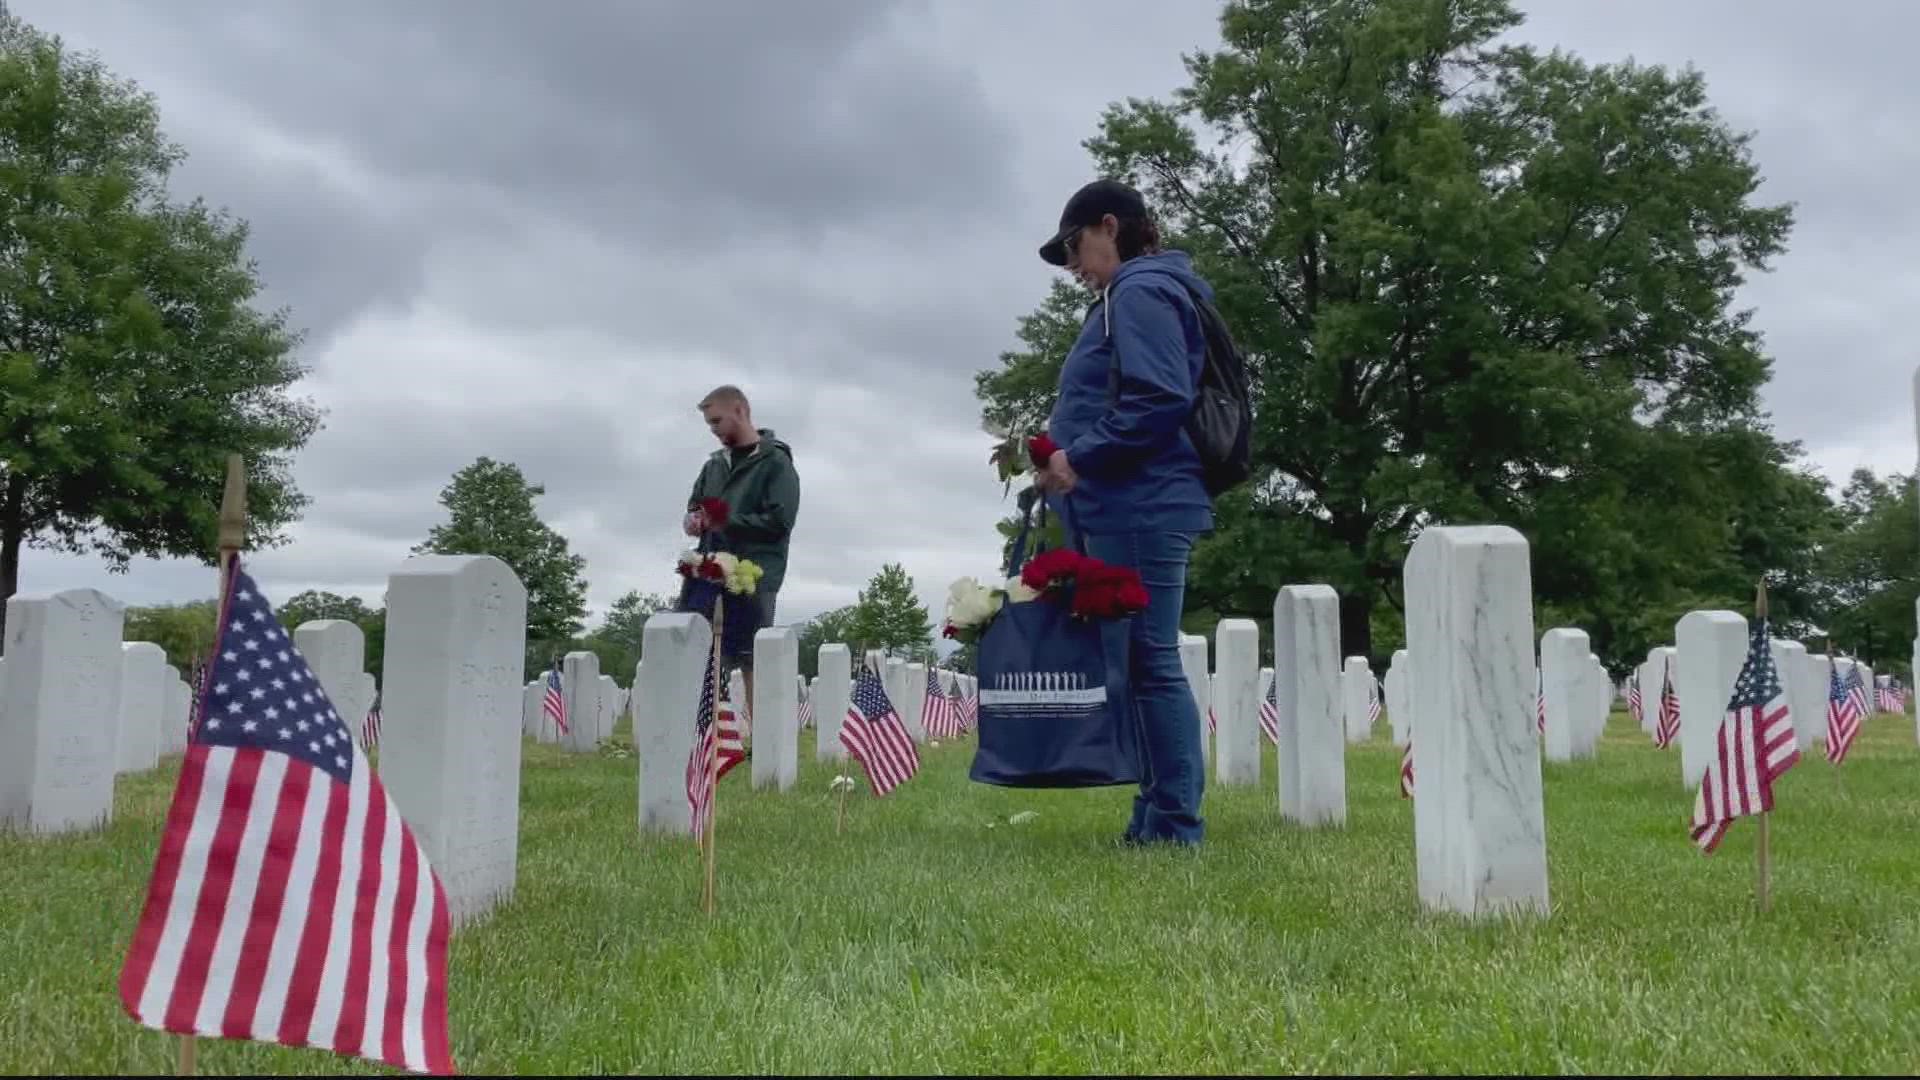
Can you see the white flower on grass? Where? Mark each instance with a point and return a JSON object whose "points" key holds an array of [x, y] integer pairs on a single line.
{"points": [[843, 782], [1023, 817]]}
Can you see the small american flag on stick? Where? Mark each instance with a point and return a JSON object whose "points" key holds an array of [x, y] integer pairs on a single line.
{"points": [[1635, 706], [370, 725], [289, 902], [957, 701], [1755, 746], [1540, 700], [1373, 702], [1843, 716], [936, 711], [554, 706], [1666, 726], [1270, 711], [1857, 690], [875, 737], [714, 750], [1406, 770]]}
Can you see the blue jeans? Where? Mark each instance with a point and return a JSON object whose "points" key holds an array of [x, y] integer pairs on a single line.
{"points": [[1173, 767]]}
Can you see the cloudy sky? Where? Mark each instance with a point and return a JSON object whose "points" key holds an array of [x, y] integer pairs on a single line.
{"points": [[541, 232]]}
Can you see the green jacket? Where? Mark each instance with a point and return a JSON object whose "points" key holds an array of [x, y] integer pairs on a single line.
{"points": [[763, 499]]}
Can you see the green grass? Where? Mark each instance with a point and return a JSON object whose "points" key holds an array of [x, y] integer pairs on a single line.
{"points": [[924, 941]]}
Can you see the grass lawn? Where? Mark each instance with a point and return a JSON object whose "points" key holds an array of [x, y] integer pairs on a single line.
{"points": [[924, 941]]}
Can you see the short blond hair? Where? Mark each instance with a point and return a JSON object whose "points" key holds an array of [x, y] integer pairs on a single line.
{"points": [[725, 395]]}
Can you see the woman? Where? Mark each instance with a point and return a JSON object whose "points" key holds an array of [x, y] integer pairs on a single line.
{"points": [[1127, 478]]}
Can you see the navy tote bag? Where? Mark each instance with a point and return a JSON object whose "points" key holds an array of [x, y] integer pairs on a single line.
{"points": [[1055, 707]]}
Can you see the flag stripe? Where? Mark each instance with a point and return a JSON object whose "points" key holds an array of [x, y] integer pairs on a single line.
{"points": [[265, 936], [161, 990], [328, 993], [352, 1023], [309, 956], [270, 771], [142, 955]]}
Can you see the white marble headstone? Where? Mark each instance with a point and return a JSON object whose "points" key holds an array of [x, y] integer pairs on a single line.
{"points": [[1313, 751], [1237, 742], [580, 688], [143, 705], [831, 693], [776, 663], [893, 679], [676, 645], [60, 740], [450, 720], [1193, 659], [1806, 697], [1479, 817], [609, 705], [336, 651], [1563, 664], [179, 705], [1712, 645], [533, 699], [914, 708], [1395, 687], [1356, 695], [737, 698]]}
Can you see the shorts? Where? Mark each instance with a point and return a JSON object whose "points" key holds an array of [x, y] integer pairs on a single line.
{"points": [[764, 600]]}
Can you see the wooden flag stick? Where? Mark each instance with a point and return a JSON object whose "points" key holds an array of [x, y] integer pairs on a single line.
{"points": [[841, 826], [1763, 884], [713, 760], [231, 537]]}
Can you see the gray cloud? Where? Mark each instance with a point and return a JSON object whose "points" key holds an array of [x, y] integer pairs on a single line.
{"points": [[540, 234]]}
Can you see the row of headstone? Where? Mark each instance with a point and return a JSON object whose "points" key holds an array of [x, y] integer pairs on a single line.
{"points": [[79, 707]]}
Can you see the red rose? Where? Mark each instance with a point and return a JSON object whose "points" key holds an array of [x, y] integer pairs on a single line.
{"points": [[686, 569], [712, 570], [1104, 591], [717, 512], [949, 631], [1049, 566], [1041, 448]]}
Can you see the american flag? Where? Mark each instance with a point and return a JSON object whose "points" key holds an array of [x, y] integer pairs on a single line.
{"points": [[1635, 706], [1666, 727], [957, 701], [1857, 690], [970, 706], [1373, 702], [289, 902], [555, 707], [1406, 770], [806, 709], [197, 689], [716, 748], [370, 726], [1540, 699], [1269, 712], [1213, 723], [1755, 747], [936, 711], [876, 738], [1843, 716], [1892, 696]]}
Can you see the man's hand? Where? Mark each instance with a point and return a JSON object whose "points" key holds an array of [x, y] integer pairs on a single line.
{"points": [[1058, 476], [696, 523]]}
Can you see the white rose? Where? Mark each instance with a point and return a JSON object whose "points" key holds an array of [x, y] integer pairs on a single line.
{"points": [[1018, 593], [970, 604]]}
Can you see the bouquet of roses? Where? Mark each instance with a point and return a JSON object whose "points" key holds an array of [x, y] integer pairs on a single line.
{"points": [[730, 572], [971, 606], [1099, 590]]}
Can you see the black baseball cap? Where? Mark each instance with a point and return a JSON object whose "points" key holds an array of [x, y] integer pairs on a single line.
{"points": [[1087, 207]]}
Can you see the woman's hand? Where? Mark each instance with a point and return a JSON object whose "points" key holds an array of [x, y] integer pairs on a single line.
{"points": [[1058, 476]]}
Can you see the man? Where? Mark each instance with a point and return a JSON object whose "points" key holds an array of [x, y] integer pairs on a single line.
{"points": [[753, 474]]}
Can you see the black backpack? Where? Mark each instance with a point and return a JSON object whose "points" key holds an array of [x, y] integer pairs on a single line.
{"points": [[1221, 424]]}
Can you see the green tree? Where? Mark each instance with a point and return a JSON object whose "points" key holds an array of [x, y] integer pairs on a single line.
{"points": [[131, 361], [889, 616], [490, 511], [616, 641], [823, 629], [184, 631], [1475, 284], [1870, 571]]}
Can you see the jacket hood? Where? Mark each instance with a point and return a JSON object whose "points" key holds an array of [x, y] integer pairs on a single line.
{"points": [[768, 442], [1174, 264]]}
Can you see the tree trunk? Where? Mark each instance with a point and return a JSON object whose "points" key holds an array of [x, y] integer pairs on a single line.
{"points": [[1356, 625], [13, 534]]}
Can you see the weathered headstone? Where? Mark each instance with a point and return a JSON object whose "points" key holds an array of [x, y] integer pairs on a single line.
{"points": [[59, 742], [1313, 746], [1395, 687], [143, 706], [173, 728], [894, 679], [1237, 743], [1193, 658], [1479, 818], [1356, 695], [676, 645], [1712, 645], [336, 651], [1806, 697], [533, 698], [776, 752], [580, 688], [609, 705], [450, 720], [1563, 660], [831, 692], [913, 710]]}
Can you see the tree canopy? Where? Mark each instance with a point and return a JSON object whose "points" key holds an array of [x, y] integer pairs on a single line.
{"points": [[490, 511]]}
